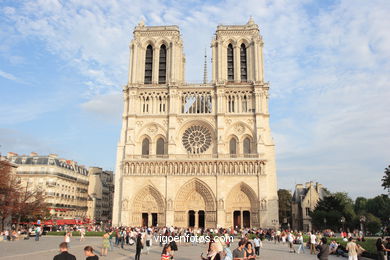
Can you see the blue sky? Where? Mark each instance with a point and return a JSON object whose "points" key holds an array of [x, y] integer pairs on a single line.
{"points": [[63, 63]]}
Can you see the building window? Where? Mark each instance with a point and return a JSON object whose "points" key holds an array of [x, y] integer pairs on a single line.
{"points": [[247, 146], [145, 147], [160, 147], [162, 72], [307, 211], [148, 65], [243, 62], [233, 147], [244, 104], [230, 62]]}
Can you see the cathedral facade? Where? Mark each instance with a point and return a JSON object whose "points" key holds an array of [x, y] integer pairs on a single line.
{"points": [[198, 155]]}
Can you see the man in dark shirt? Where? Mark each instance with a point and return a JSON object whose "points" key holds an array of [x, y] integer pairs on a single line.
{"points": [[239, 252], [88, 251], [64, 255]]}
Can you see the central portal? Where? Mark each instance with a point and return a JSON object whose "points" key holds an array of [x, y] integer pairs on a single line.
{"points": [[196, 218]]}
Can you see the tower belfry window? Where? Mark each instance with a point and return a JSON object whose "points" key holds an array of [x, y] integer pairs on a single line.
{"points": [[243, 63], [230, 63], [148, 65], [162, 72]]}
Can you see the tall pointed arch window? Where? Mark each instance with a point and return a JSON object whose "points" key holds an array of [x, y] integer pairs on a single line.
{"points": [[230, 63], [233, 147], [148, 65], [145, 147], [162, 71], [160, 147], [247, 146], [243, 63]]}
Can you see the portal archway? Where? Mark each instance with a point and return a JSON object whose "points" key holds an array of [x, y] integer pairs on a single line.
{"points": [[242, 207], [148, 207], [195, 204]]}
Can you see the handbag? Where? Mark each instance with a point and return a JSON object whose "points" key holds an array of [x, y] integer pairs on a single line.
{"points": [[147, 243]]}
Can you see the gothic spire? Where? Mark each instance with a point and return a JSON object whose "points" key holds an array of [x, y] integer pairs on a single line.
{"points": [[205, 67]]}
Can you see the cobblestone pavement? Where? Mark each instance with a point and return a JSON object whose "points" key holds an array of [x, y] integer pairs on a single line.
{"points": [[47, 247]]}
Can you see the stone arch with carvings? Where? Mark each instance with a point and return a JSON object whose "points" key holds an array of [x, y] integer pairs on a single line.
{"points": [[195, 195], [147, 200], [242, 198]]}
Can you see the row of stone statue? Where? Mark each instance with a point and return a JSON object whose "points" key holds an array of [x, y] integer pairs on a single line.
{"points": [[195, 168]]}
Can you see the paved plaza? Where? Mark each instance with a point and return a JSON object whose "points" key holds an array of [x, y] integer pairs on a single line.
{"points": [[47, 247]]}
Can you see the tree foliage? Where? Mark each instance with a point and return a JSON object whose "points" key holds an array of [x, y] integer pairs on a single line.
{"points": [[386, 179], [285, 199], [16, 201]]}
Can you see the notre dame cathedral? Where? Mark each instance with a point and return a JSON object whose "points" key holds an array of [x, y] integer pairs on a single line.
{"points": [[196, 155]]}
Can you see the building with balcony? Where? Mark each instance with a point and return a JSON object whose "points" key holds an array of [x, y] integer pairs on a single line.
{"points": [[197, 155], [100, 195], [64, 181], [304, 201]]}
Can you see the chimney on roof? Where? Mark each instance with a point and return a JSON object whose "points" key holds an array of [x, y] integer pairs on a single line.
{"points": [[33, 154], [10, 154]]}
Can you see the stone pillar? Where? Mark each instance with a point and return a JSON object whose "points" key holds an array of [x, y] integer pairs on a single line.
{"points": [[196, 219], [242, 218], [236, 64], [149, 219]]}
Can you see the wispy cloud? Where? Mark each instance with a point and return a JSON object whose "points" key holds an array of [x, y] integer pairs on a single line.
{"points": [[8, 76], [328, 64]]}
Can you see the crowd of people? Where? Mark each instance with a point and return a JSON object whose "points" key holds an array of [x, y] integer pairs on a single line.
{"points": [[216, 241]]}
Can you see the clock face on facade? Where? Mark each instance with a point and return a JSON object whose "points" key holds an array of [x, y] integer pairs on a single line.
{"points": [[196, 139]]}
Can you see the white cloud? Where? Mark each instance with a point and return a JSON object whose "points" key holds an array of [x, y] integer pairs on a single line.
{"points": [[107, 107], [328, 66], [8, 76]]}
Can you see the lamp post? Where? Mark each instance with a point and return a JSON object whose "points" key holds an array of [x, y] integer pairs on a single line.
{"points": [[362, 226], [342, 220], [325, 223]]}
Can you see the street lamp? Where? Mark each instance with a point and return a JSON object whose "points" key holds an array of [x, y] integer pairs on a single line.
{"points": [[325, 223], [362, 222], [342, 220]]}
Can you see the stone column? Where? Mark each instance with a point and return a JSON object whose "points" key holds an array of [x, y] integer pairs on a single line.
{"points": [[242, 218], [196, 219], [149, 219], [236, 64]]}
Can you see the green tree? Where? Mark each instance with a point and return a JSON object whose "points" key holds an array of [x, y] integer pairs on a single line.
{"points": [[379, 207], [327, 213], [331, 209], [360, 205], [284, 205], [373, 224], [386, 179]]}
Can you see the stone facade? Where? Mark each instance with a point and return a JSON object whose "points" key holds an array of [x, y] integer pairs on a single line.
{"points": [[100, 195], [304, 201], [64, 181], [196, 154]]}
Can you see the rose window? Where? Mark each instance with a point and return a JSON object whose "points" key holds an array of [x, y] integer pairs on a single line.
{"points": [[196, 139]]}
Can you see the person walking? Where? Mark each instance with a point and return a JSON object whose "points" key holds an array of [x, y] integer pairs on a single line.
{"points": [[257, 243], [37, 233], [166, 252], [106, 244], [250, 254], [173, 245], [67, 238], [64, 255], [88, 252], [148, 241], [290, 241], [139, 247], [324, 249], [313, 242], [239, 253], [352, 249], [301, 243], [380, 249], [82, 234]]}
